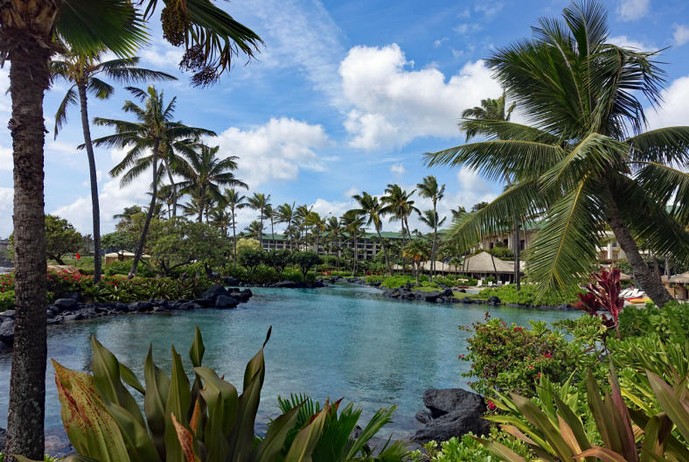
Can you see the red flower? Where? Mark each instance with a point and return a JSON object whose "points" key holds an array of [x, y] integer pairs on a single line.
{"points": [[548, 354], [491, 405], [517, 328]]}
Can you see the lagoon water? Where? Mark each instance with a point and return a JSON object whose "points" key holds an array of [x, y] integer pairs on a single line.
{"points": [[338, 342]]}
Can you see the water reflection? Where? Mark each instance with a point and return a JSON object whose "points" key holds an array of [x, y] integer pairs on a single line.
{"points": [[336, 342]]}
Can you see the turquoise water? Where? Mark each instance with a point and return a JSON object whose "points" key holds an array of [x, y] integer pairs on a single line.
{"points": [[338, 342]]}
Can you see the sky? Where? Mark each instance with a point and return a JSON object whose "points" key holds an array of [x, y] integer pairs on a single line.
{"points": [[345, 97]]}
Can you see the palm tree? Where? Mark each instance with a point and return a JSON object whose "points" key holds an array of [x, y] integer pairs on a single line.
{"points": [[585, 161], [333, 230], [398, 204], [301, 225], [371, 208], [153, 130], [285, 214], [352, 224], [259, 202], [83, 71], [473, 124], [255, 230], [430, 189], [270, 215], [28, 31], [204, 174], [235, 202]]}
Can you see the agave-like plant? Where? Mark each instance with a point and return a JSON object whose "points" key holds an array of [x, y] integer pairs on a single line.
{"points": [[206, 420], [551, 428]]}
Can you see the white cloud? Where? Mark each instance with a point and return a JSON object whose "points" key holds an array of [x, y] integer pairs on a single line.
{"points": [[397, 169], [626, 42], [488, 8], [393, 105], [6, 201], [299, 34], [630, 10], [161, 55], [674, 110], [6, 161], [277, 150], [112, 200], [326, 208], [680, 34], [440, 42]]}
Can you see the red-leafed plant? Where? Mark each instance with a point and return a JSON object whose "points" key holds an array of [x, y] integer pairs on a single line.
{"points": [[603, 295]]}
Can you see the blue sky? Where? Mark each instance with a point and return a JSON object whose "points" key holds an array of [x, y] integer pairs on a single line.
{"points": [[345, 97]]}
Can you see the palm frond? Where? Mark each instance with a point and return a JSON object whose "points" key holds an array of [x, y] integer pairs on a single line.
{"points": [[653, 227], [562, 254], [668, 145], [61, 113], [522, 199], [99, 88], [88, 26], [493, 159]]}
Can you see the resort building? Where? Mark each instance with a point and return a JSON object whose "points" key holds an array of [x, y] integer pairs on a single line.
{"points": [[368, 245]]}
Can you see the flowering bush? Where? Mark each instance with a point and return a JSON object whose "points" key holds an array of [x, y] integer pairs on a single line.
{"points": [[6, 282], [510, 358], [603, 294]]}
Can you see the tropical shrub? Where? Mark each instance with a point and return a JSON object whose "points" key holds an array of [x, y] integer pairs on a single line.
{"points": [[603, 294], [465, 449], [510, 358], [528, 295], [555, 429], [123, 267], [6, 300], [6, 282]]}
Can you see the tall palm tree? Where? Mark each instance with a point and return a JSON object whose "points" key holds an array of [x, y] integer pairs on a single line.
{"points": [[333, 231], [270, 215], [353, 224], [83, 71], [153, 129], [430, 189], [285, 214], [235, 201], [585, 162], [204, 173], [473, 124], [316, 223], [255, 230], [371, 208], [301, 225], [259, 202], [398, 204], [28, 31]]}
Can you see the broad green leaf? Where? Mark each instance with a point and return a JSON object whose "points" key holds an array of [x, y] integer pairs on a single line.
{"points": [[501, 451], [674, 408], [305, 441], [197, 348], [271, 446], [178, 404], [136, 438], [106, 376], [155, 399], [186, 441], [543, 424], [604, 454], [90, 428]]}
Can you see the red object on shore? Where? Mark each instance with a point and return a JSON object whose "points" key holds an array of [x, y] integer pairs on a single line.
{"points": [[77, 256]]}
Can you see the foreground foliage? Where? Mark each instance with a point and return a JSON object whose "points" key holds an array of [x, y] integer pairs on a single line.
{"points": [[202, 420]]}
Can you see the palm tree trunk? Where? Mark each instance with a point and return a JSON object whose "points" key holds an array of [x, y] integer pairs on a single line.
{"points": [[648, 279], [234, 239], [149, 216], [95, 205], [517, 255], [173, 185], [29, 77], [385, 251]]}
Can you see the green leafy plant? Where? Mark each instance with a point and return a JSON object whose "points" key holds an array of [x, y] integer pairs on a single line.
{"points": [[7, 300], [554, 430], [205, 420], [510, 358], [340, 440]]}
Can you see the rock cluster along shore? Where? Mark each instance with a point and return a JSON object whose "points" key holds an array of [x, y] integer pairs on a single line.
{"points": [[451, 412], [444, 296], [70, 309]]}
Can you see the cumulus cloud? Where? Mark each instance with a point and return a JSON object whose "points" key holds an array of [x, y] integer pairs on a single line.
{"points": [[391, 104], [6, 162], [397, 169], [674, 110], [277, 150], [630, 10], [680, 34], [112, 198], [161, 55]]}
